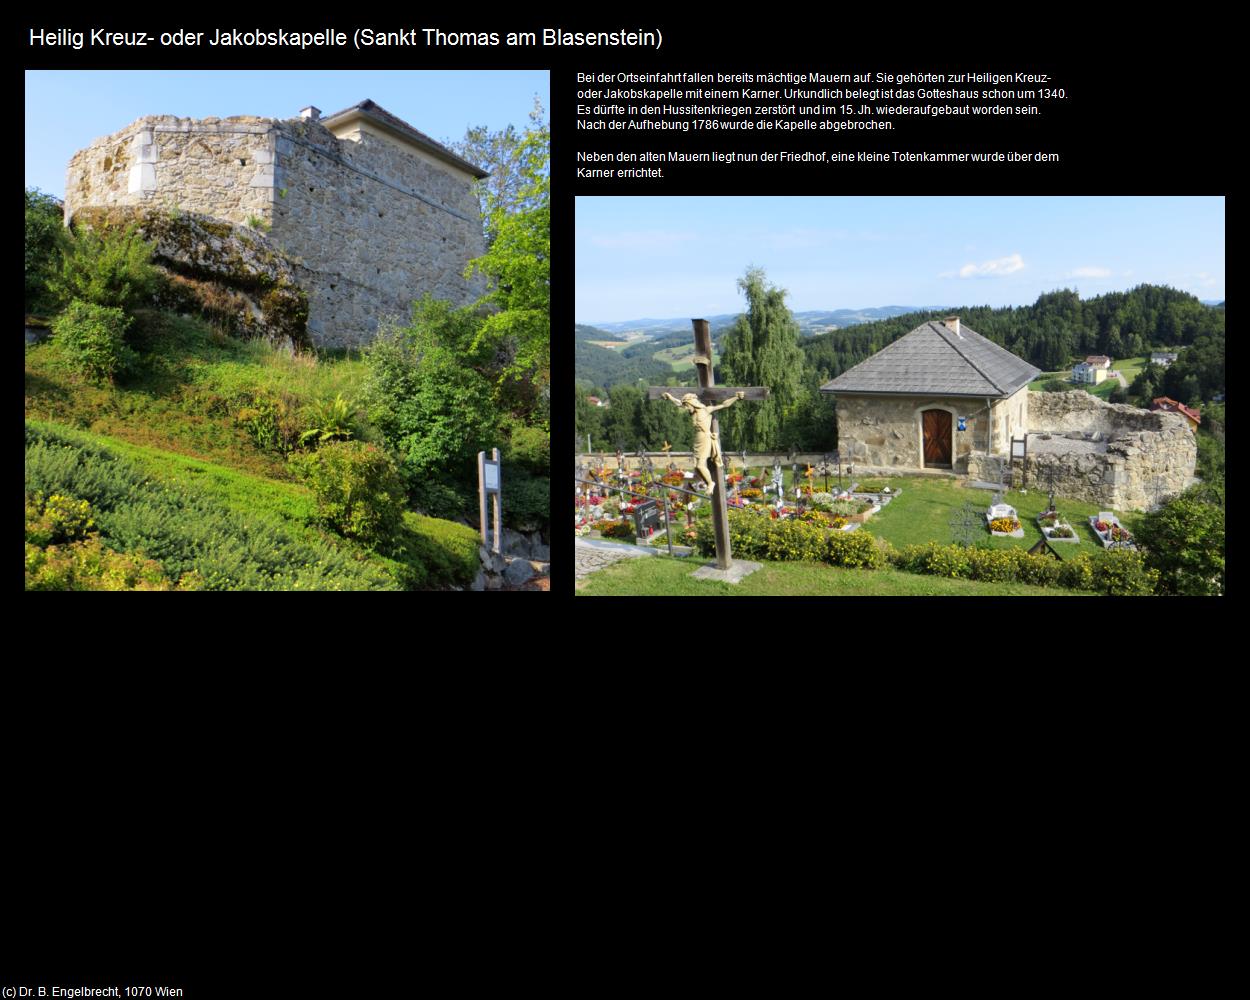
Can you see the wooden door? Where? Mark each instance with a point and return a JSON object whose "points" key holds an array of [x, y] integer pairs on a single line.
{"points": [[937, 437]]}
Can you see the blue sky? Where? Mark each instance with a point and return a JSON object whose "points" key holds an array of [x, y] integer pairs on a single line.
{"points": [[66, 110], [665, 257]]}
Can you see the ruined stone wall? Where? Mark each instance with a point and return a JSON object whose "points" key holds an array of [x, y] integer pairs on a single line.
{"points": [[370, 226], [886, 431], [1117, 456], [1078, 410], [221, 168]]}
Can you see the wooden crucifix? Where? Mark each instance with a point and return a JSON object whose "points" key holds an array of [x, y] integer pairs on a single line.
{"points": [[702, 406]]}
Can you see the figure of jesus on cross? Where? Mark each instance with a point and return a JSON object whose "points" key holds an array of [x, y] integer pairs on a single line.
{"points": [[706, 444], [702, 406]]}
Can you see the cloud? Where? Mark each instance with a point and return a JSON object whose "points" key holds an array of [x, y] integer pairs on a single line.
{"points": [[1090, 272], [999, 268], [651, 240]]}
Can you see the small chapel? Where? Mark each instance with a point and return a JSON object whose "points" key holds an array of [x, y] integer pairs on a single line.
{"points": [[931, 399]]}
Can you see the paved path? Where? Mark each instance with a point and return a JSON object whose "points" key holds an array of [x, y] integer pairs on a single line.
{"points": [[593, 555]]}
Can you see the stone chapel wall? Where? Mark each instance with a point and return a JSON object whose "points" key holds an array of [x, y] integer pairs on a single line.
{"points": [[370, 226]]}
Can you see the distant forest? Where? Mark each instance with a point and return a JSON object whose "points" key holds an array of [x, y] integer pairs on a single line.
{"points": [[1051, 333]]}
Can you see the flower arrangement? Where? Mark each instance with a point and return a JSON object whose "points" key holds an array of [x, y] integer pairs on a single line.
{"points": [[1101, 527], [1119, 534], [617, 529], [673, 478], [751, 492], [733, 478], [1004, 524], [1062, 531]]}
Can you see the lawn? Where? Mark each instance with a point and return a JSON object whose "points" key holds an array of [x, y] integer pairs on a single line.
{"points": [[924, 511], [662, 576]]}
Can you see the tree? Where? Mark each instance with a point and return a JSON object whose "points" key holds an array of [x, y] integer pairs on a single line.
{"points": [[1184, 541], [517, 267], [45, 240], [512, 161], [761, 349]]}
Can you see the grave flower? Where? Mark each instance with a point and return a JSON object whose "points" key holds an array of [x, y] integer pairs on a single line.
{"points": [[1004, 524]]}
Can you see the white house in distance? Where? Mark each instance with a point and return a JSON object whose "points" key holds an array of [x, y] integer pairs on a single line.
{"points": [[1093, 370], [1163, 358]]}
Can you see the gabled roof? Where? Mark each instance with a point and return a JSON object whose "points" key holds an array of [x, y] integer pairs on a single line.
{"points": [[1098, 360], [1168, 403], [933, 360], [397, 126]]}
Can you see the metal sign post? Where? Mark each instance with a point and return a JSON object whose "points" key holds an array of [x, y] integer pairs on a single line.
{"points": [[488, 485]]}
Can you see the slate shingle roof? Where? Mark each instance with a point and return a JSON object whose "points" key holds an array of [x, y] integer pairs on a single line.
{"points": [[933, 361], [379, 114]]}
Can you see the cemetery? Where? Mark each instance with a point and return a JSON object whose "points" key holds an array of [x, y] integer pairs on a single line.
{"points": [[754, 513]]}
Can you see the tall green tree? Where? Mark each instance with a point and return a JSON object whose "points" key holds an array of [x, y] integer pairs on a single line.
{"points": [[762, 348], [1184, 541], [517, 267]]}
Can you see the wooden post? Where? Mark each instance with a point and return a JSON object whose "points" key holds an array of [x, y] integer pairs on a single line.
{"points": [[709, 393], [491, 489]]}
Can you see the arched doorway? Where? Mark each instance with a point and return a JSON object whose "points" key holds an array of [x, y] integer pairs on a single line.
{"points": [[937, 439]]}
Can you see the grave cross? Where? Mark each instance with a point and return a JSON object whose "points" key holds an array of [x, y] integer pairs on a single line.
{"points": [[709, 394], [965, 522]]}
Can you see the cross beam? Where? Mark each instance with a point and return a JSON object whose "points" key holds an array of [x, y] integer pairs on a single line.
{"points": [[709, 393]]}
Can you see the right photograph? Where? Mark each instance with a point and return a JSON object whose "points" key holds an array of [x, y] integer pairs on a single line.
{"points": [[900, 396]]}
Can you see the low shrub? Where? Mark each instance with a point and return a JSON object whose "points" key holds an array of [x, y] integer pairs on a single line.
{"points": [[110, 268], [93, 338], [328, 420], [526, 499], [622, 529], [89, 565], [186, 530], [1123, 573], [854, 550], [273, 421], [358, 490]]}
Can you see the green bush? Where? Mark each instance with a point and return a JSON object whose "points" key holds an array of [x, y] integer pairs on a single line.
{"points": [[855, 550], [430, 553], [529, 447], [358, 489], [273, 421], [1185, 542], [88, 565], [526, 499], [187, 531], [1123, 573], [109, 268], [93, 337], [1077, 573], [437, 498], [45, 240]]}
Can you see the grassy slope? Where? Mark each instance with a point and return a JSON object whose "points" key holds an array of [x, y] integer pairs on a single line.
{"points": [[434, 552], [182, 396], [662, 576], [173, 416]]}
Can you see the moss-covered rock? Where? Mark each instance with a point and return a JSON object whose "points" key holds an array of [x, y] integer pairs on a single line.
{"points": [[230, 274]]}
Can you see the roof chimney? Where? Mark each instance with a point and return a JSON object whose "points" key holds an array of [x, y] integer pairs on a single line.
{"points": [[952, 324], [310, 113]]}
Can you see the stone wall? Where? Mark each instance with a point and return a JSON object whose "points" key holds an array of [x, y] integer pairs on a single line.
{"points": [[221, 168], [1119, 457], [370, 226], [886, 431], [374, 226]]}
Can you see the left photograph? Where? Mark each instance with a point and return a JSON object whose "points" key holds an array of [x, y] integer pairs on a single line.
{"points": [[287, 331]]}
